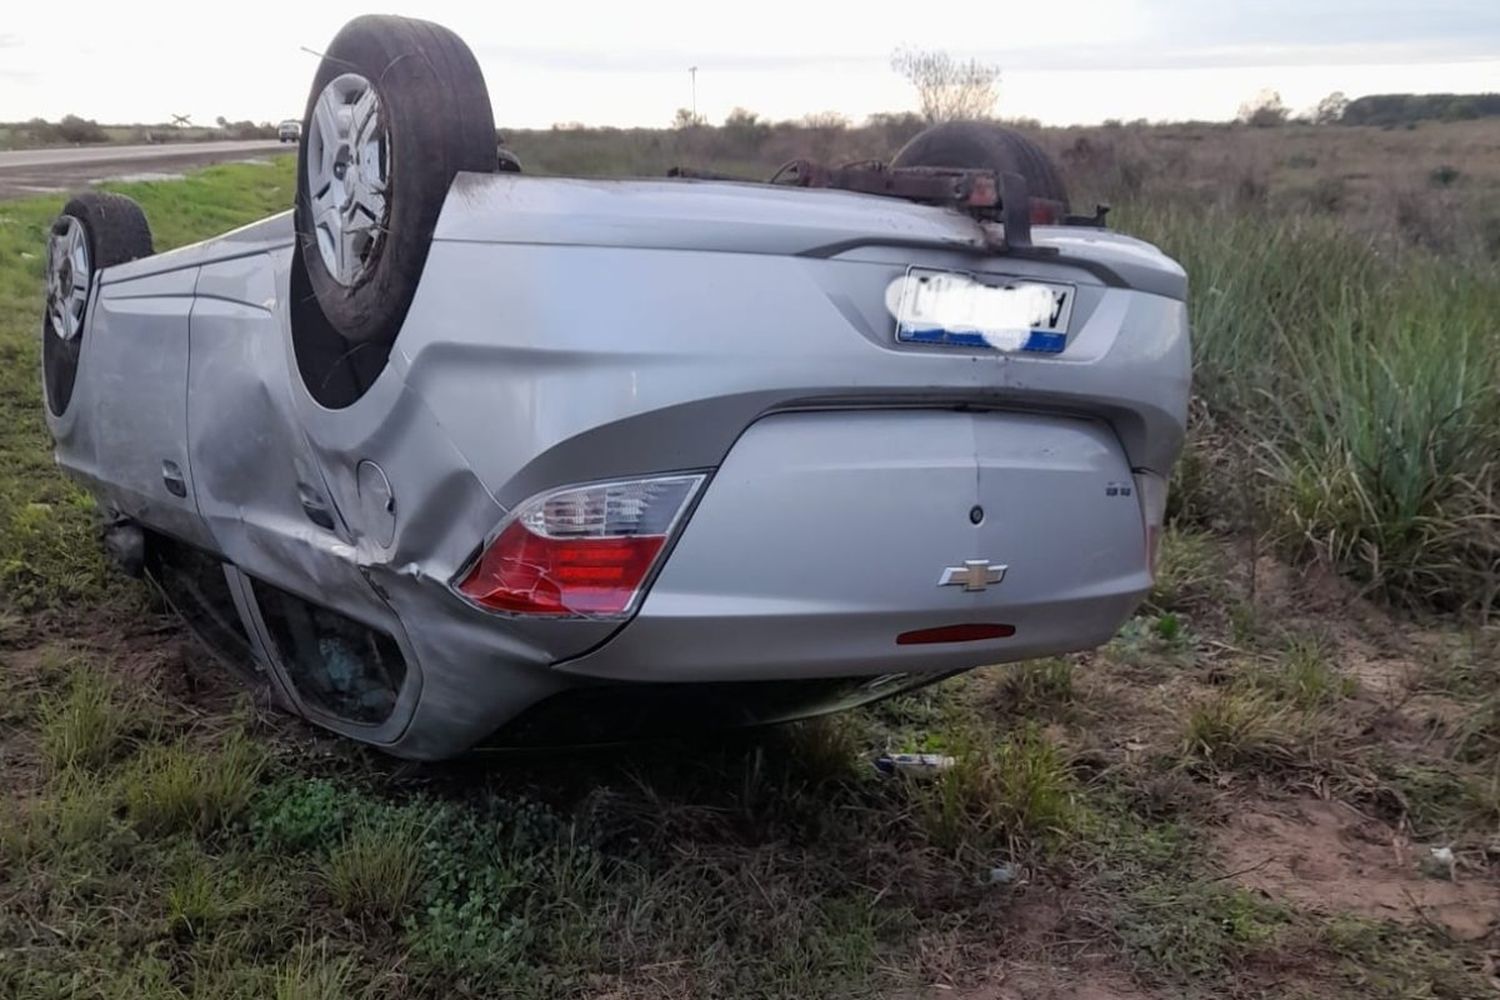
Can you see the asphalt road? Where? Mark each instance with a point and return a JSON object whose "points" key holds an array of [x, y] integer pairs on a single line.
{"points": [[36, 171]]}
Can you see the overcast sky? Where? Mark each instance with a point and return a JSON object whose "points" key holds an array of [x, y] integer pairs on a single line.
{"points": [[626, 63]]}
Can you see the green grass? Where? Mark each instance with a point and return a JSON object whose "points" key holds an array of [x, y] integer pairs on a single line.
{"points": [[1017, 794], [1036, 688], [377, 871], [1190, 570], [1233, 727], [85, 726], [188, 786], [1363, 381]]}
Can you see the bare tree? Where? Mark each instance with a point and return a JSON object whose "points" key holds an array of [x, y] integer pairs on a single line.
{"points": [[948, 88]]}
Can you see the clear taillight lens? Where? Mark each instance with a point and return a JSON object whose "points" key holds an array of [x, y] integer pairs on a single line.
{"points": [[585, 550], [1152, 491]]}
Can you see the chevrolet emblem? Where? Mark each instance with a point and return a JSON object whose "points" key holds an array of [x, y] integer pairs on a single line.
{"points": [[973, 575]]}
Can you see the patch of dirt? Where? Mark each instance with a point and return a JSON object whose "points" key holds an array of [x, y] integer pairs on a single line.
{"points": [[1326, 857]]}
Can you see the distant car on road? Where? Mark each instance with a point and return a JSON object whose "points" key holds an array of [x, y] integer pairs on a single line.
{"points": [[289, 130], [453, 455]]}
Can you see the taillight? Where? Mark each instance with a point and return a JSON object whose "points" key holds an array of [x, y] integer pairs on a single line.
{"points": [[1152, 492], [584, 550]]}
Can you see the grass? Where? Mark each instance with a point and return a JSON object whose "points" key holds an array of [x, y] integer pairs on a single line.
{"points": [[189, 787], [1232, 728], [162, 842], [85, 726], [1017, 794], [1363, 380], [376, 872]]}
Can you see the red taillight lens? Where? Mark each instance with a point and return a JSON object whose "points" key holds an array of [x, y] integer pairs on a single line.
{"points": [[580, 551], [529, 574], [955, 633]]}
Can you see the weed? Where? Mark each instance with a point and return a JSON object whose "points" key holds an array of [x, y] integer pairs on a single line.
{"points": [[1036, 688], [302, 814], [1303, 678], [1153, 641], [376, 872], [311, 974], [1019, 794], [1189, 570], [1389, 961], [1174, 931], [1444, 175], [187, 787], [87, 726], [1438, 797], [1236, 728]]}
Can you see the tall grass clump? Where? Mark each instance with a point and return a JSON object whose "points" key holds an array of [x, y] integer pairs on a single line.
{"points": [[1366, 381]]}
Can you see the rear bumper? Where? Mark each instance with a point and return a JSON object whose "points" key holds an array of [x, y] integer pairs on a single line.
{"points": [[824, 536]]}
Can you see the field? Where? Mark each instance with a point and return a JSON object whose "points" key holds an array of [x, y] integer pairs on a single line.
{"points": [[1281, 779]]}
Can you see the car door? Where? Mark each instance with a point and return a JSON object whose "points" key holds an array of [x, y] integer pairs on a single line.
{"points": [[137, 407], [336, 646]]}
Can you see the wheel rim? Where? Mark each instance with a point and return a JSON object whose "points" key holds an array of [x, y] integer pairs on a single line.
{"points": [[68, 277], [348, 174]]}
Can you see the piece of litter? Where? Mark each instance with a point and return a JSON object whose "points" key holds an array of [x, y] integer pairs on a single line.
{"points": [[918, 764], [1439, 862], [1003, 874]]}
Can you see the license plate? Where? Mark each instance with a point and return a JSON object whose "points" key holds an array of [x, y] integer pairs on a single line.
{"points": [[957, 309]]}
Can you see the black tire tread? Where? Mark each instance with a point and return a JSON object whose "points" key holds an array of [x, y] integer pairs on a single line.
{"points": [[440, 123]]}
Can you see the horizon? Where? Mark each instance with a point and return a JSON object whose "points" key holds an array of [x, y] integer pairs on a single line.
{"points": [[1158, 60]]}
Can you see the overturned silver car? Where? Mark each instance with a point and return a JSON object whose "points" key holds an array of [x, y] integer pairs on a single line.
{"points": [[451, 455]]}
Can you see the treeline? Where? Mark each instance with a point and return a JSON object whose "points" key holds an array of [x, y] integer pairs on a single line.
{"points": [[73, 130], [1401, 109]]}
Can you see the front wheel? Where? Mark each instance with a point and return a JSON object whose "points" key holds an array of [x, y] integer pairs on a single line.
{"points": [[397, 109]]}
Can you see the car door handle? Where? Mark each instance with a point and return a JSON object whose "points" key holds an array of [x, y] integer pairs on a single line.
{"points": [[171, 475]]}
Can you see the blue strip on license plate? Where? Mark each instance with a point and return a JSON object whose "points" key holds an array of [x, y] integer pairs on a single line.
{"points": [[1038, 341]]}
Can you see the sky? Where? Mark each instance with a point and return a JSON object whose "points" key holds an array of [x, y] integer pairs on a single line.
{"points": [[627, 63]]}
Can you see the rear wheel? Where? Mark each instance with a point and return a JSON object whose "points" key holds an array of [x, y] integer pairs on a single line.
{"points": [[987, 146], [397, 109], [95, 230]]}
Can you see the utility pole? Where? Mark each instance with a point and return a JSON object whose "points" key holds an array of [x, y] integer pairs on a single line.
{"points": [[693, 75]]}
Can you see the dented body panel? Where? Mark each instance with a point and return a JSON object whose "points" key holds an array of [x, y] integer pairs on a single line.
{"points": [[568, 332]]}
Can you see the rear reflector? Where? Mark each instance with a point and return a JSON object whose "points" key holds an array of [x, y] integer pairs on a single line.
{"points": [[581, 551], [955, 633]]}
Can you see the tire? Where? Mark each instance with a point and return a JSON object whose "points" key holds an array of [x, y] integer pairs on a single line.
{"points": [[432, 119], [986, 146], [113, 230]]}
